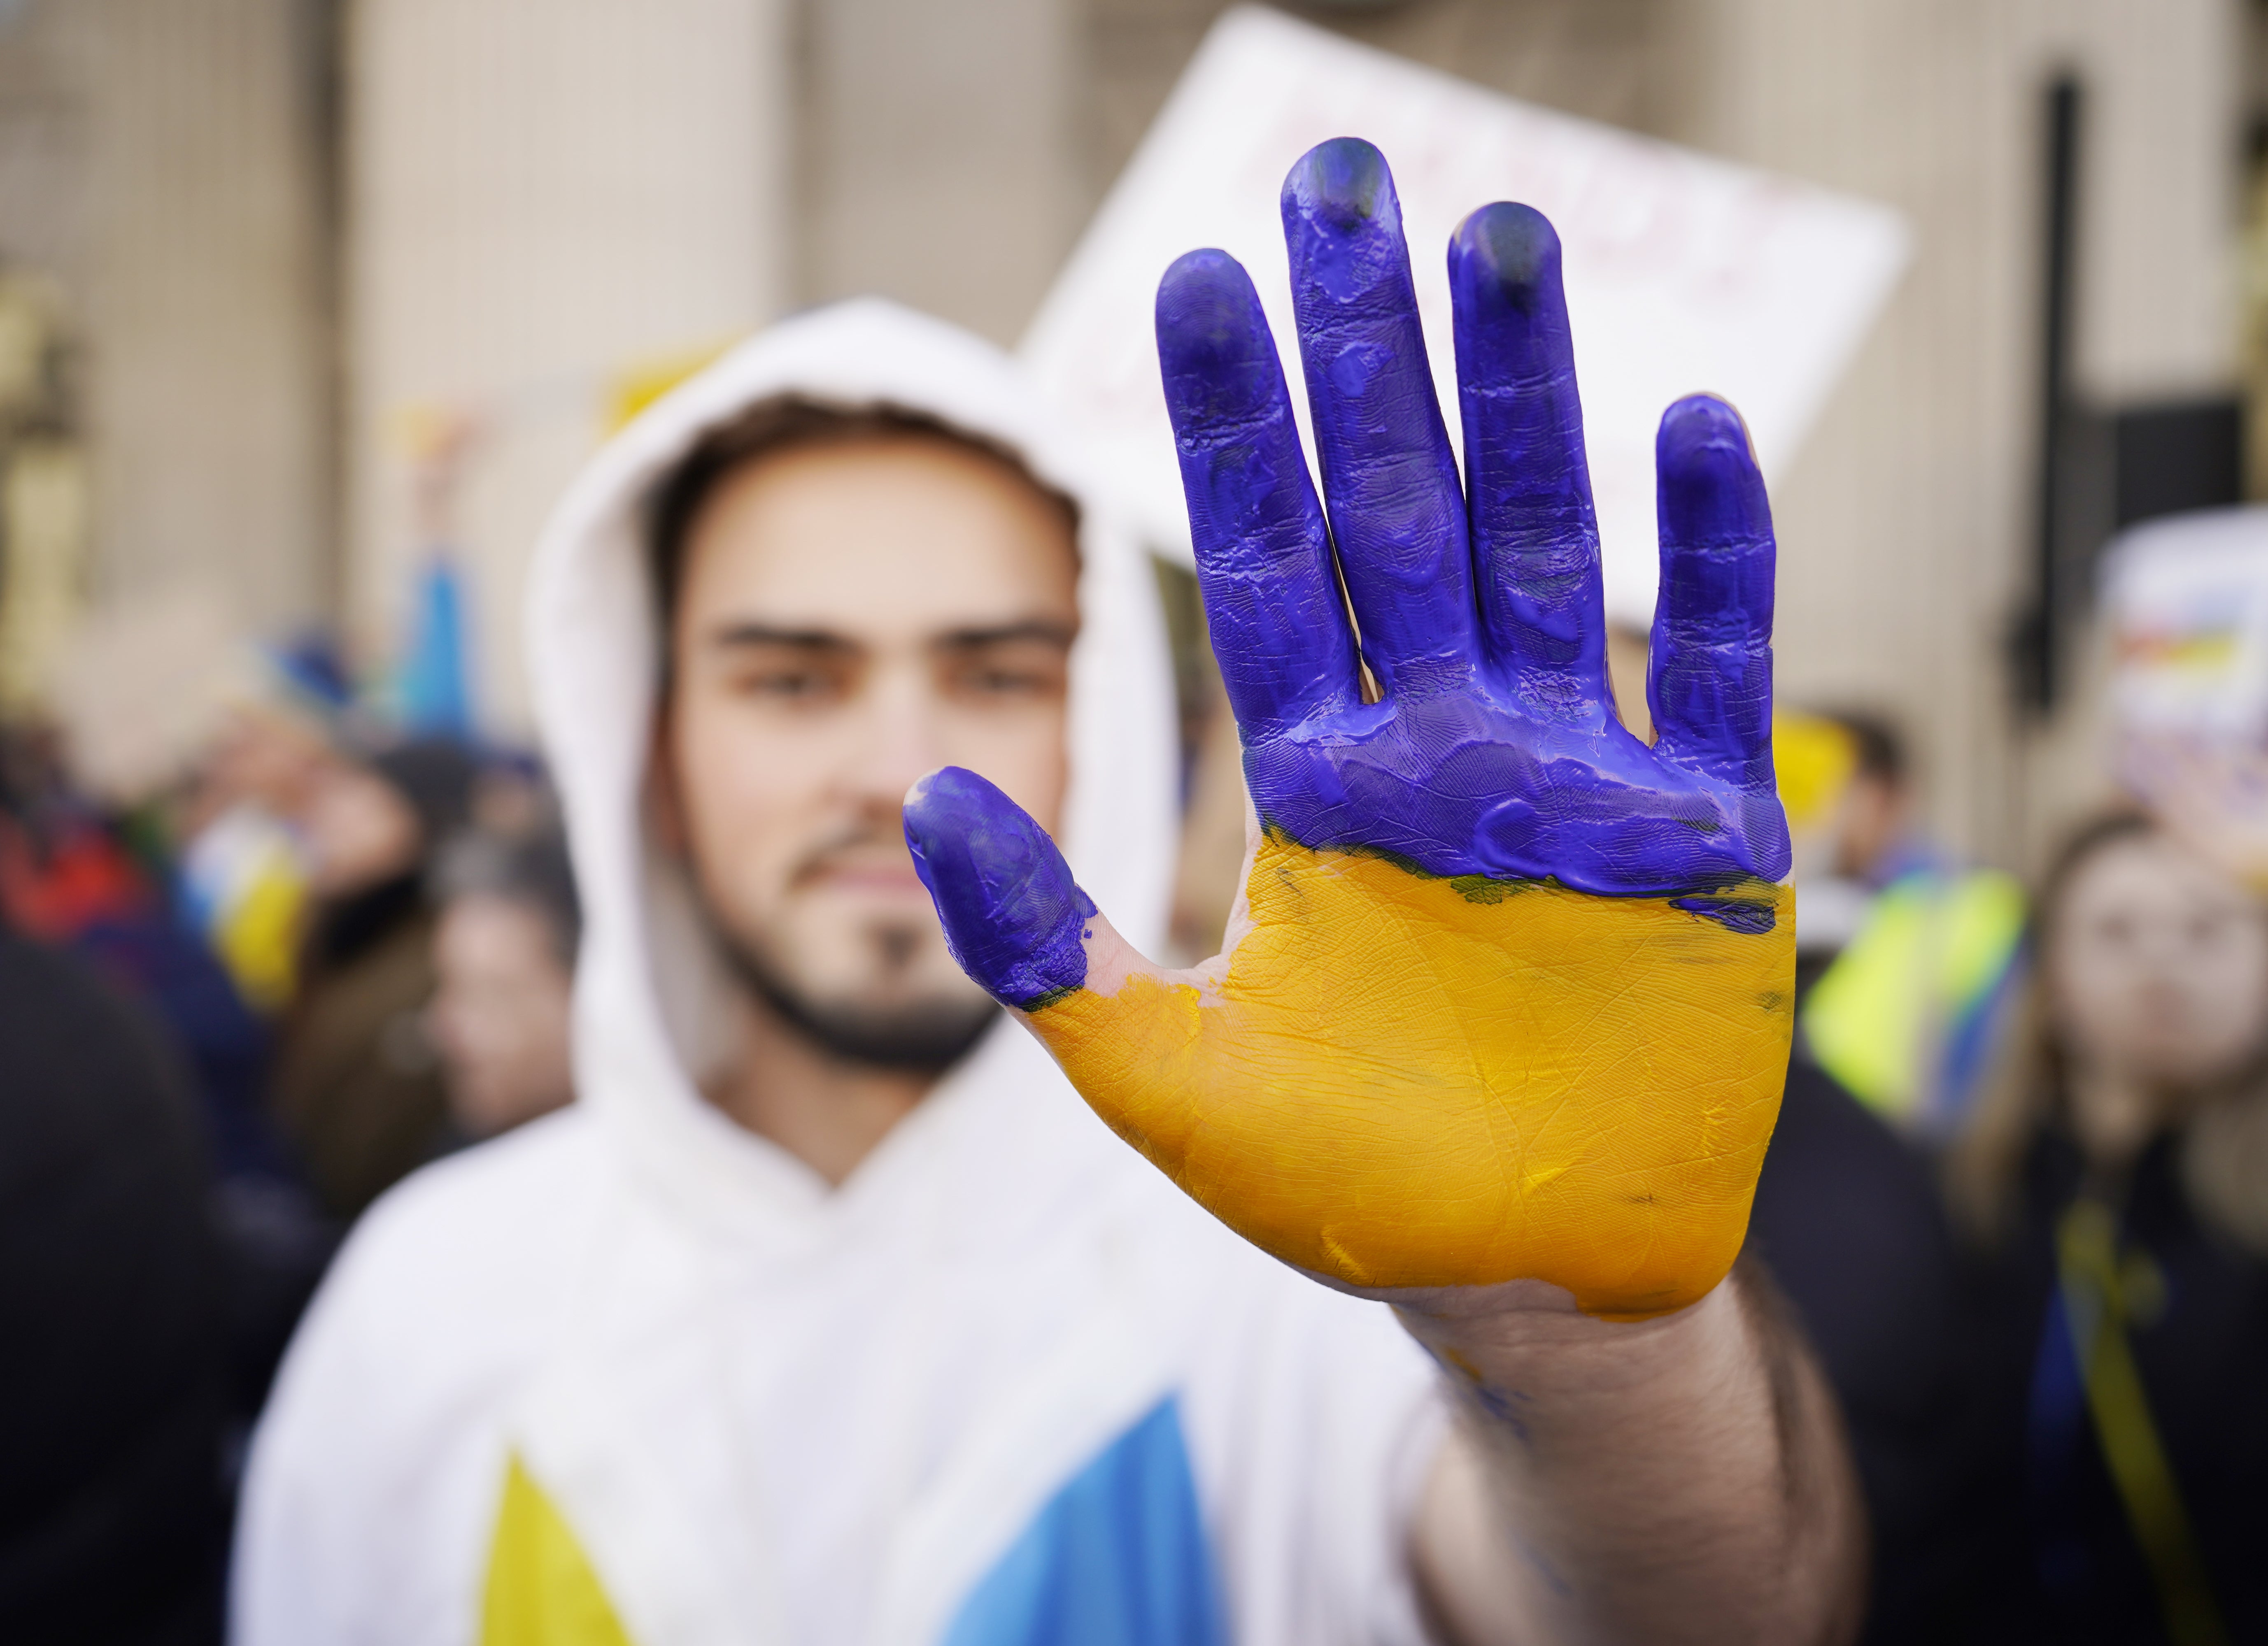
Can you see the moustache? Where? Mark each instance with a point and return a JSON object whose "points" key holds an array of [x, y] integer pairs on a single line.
{"points": [[857, 846]]}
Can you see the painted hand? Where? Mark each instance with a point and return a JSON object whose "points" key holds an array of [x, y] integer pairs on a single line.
{"points": [[1507, 997]]}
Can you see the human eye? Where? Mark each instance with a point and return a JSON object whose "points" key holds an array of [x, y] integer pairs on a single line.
{"points": [[1005, 682], [791, 681], [1013, 674], [2215, 928]]}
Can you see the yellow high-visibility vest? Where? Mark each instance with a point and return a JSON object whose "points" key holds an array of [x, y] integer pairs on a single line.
{"points": [[1896, 1016]]}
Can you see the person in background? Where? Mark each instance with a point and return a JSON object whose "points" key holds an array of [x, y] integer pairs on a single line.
{"points": [[79, 876], [504, 965], [242, 874], [1848, 1216], [358, 1087], [114, 1386], [1907, 960], [2114, 1187], [75, 873]]}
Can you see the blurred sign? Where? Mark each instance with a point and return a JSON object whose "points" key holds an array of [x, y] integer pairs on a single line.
{"points": [[2185, 611], [1683, 272], [2185, 601]]}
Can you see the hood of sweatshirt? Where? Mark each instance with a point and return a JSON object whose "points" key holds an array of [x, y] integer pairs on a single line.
{"points": [[648, 1018]]}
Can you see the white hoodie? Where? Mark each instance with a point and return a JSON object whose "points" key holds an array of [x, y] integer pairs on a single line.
{"points": [[962, 1398]]}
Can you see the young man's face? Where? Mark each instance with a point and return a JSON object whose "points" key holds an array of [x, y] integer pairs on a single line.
{"points": [[852, 615]]}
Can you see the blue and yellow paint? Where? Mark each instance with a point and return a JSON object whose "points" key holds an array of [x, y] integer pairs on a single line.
{"points": [[1402, 1080]]}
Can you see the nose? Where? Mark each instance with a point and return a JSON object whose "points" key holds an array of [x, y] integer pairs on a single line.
{"points": [[899, 741]]}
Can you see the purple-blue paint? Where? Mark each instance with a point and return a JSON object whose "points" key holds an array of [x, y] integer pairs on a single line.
{"points": [[1013, 916], [1390, 480], [1710, 687], [1494, 750], [1271, 599], [1536, 539]]}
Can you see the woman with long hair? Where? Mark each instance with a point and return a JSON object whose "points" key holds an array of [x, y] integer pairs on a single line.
{"points": [[2113, 1185]]}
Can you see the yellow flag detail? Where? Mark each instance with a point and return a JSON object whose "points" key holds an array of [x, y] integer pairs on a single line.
{"points": [[542, 1591], [258, 939], [1932, 951], [1814, 760], [2098, 1303]]}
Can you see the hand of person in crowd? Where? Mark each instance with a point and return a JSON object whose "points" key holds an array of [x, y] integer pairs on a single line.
{"points": [[1509, 995], [2210, 793]]}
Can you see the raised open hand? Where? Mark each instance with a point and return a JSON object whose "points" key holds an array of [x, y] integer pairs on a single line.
{"points": [[1508, 994]]}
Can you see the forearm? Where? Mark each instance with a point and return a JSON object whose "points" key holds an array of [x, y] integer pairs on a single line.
{"points": [[1683, 1479]]}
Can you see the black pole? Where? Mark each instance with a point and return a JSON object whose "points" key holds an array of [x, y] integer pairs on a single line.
{"points": [[2042, 661]]}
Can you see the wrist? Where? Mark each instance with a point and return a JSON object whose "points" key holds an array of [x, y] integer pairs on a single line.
{"points": [[1526, 1341]]}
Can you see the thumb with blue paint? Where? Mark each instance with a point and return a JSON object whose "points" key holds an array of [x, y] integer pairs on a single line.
{"points": [[1013, 917], [1018, 924]]}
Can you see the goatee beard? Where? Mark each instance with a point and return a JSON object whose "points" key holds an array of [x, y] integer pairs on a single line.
{"points": [[924, 1037]]}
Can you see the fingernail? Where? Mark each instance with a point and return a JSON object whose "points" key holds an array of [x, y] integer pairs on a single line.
{"points": [[1212, 337], [1698, 423], [1709, 488], [1506, 250], [1341, 185]]}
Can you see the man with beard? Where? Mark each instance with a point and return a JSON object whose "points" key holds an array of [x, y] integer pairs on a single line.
{"points": [[831, 1314]]}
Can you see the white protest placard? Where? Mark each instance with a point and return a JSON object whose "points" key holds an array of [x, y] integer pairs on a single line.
{"points": [[2185, 606], [2184, 611], [1684, 272]]}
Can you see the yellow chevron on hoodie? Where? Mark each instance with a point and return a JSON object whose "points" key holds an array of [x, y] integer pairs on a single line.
{"points": [[542, 1591]]}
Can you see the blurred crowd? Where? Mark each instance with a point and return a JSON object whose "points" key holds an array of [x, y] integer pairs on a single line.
{"points": [[2018, 1197], [2015, 1196], [235, 1010]]}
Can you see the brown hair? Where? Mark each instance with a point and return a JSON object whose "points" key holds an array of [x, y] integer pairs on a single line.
{"points": [[2224, 1141], [782, 423]]}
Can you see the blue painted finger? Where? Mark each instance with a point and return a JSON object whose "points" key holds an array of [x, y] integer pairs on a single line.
{"points": [[1710, 683], [1390, 483], [1264, 555], [1535, 537], [1013, 916]]}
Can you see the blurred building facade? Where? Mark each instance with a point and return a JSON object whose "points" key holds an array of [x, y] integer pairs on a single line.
{"points": [[354, 279], [161, 167]]}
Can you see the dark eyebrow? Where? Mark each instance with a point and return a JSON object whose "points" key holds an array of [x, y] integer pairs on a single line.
{"points": [[1039, 628], [749, 633]]}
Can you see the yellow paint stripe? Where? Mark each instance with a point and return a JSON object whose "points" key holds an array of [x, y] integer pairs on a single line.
{"points": [[1401, 1084], [541, 1590]]}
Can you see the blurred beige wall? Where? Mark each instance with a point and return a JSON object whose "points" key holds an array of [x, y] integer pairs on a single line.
{"points": [[161, 161], [545, 197], [945, 153], [1591, 57], [951, 150], [1906, 523]]}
